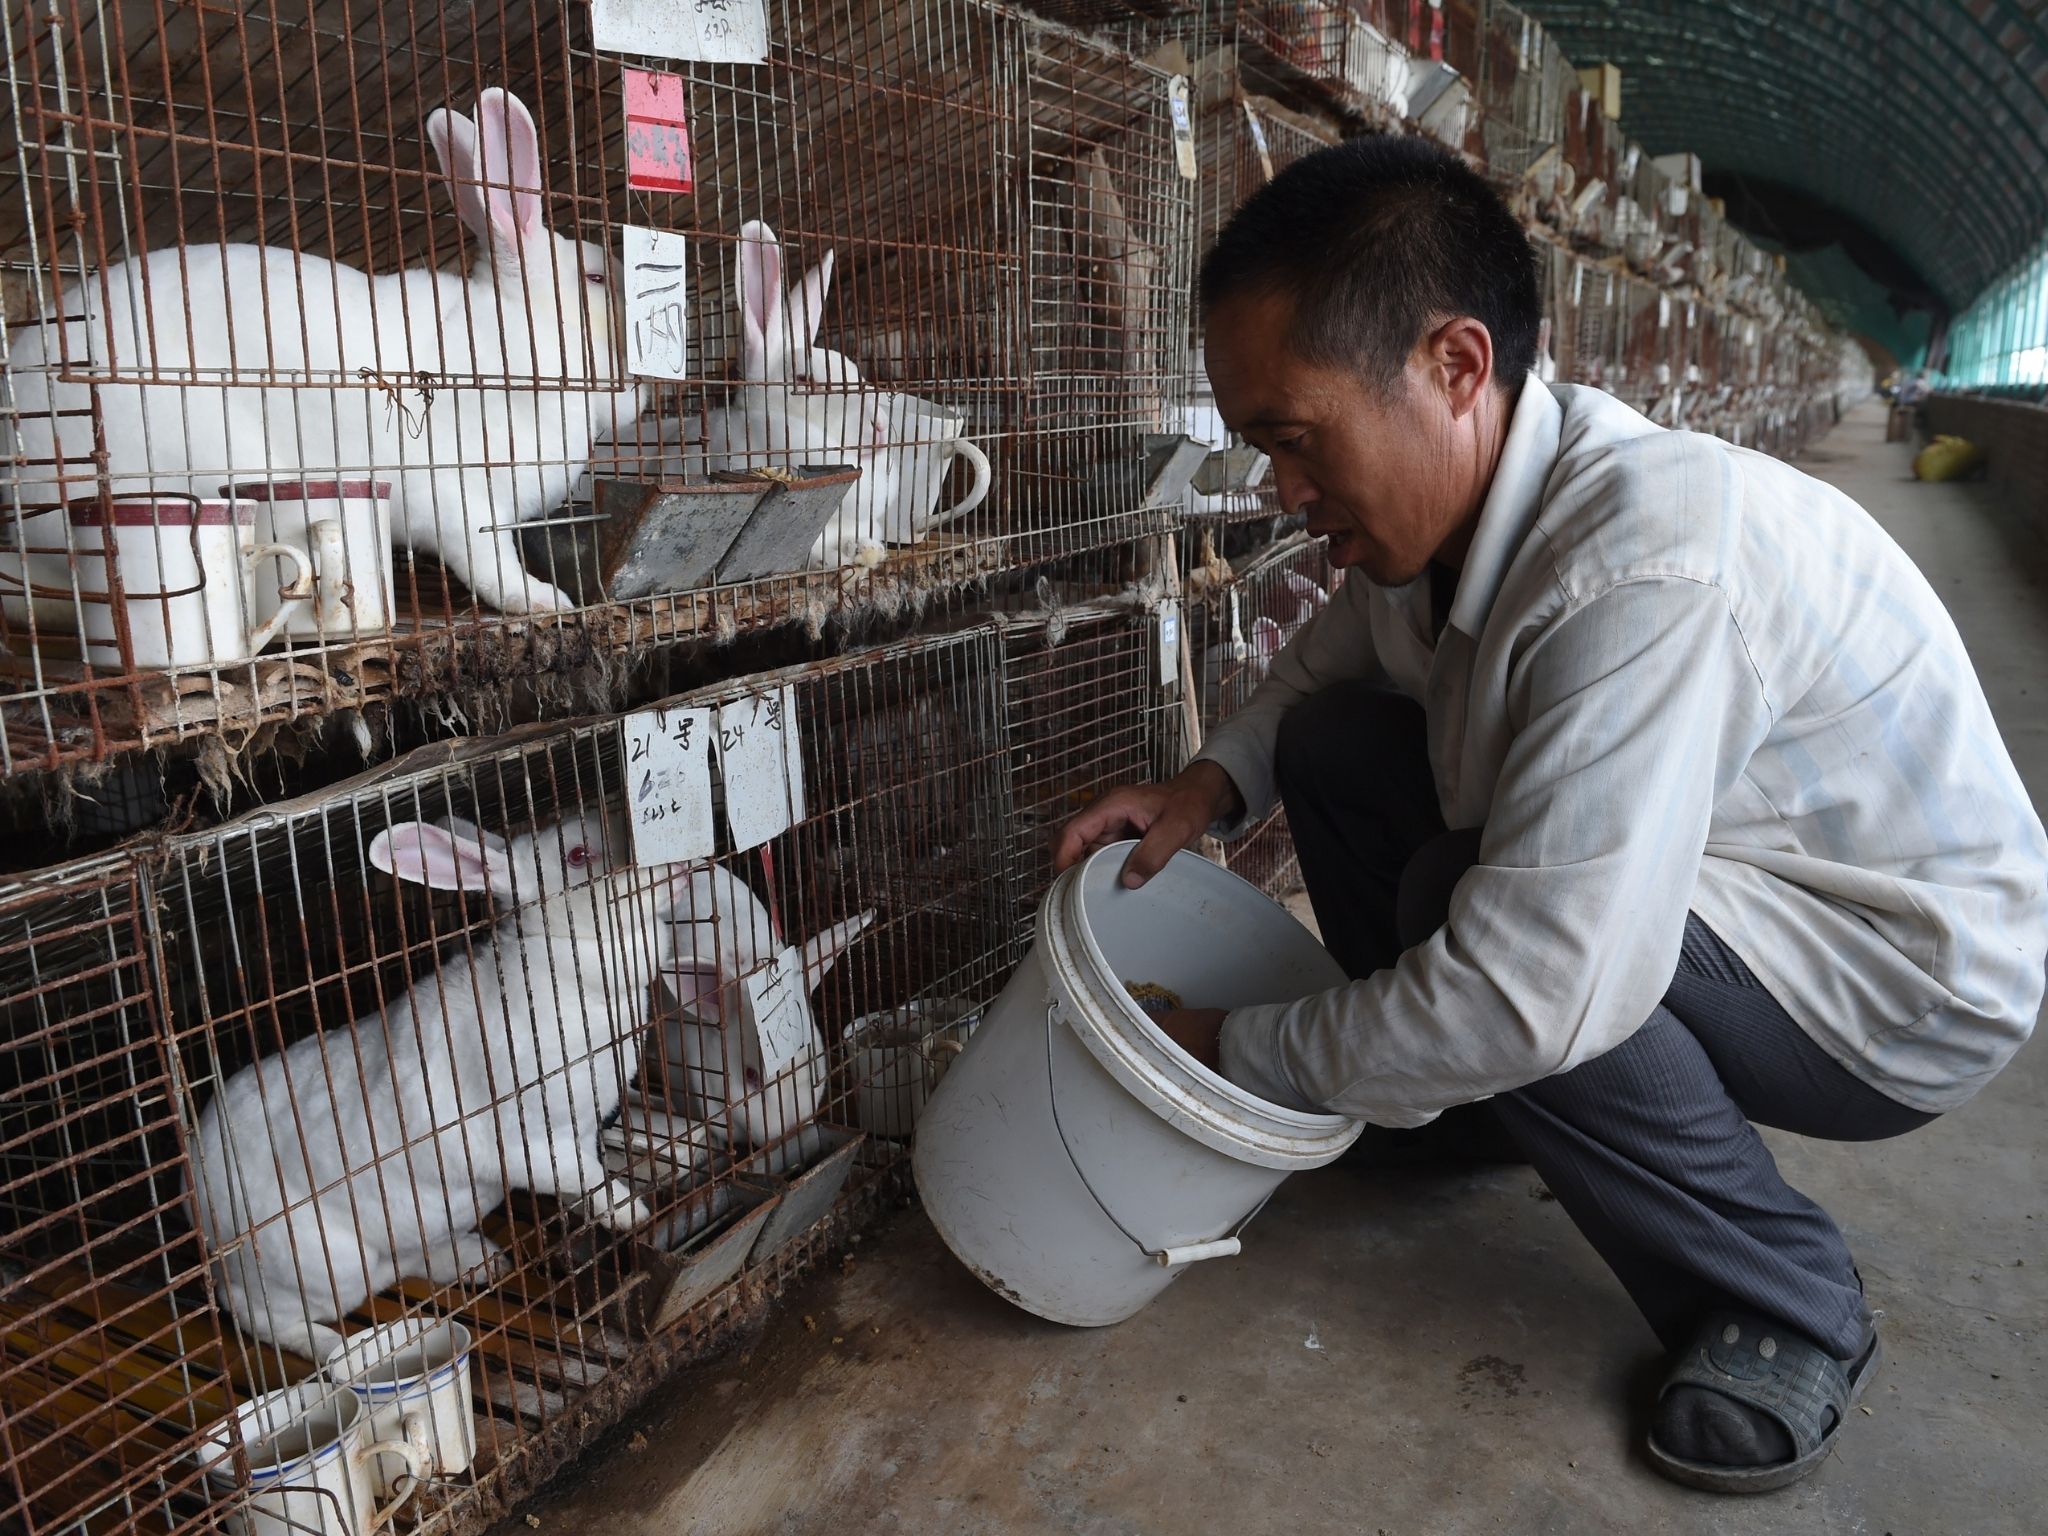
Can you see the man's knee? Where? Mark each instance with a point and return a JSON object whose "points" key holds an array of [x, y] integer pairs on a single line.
{"points": [[1657, 1081], [1423, 903], [1336, 736]]}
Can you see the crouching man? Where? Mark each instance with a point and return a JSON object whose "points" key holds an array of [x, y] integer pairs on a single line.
{"points": [[1640, 783]]}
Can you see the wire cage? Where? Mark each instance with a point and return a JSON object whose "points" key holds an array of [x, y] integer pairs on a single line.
{"points": [[334, 333], [1085, 710], [1237, 626], [430, 1062], [94, 1372]]}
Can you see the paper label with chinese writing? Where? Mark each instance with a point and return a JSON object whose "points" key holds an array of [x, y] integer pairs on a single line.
{"points": [[776, 1013], [1178, 106], [1169, 640], [657, 312], [667, 753], [702, 31], [657, 136], [761, 758]]}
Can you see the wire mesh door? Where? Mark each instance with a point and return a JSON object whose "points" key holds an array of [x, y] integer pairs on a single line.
{"points": [[1084, 711], [103, 1382]]}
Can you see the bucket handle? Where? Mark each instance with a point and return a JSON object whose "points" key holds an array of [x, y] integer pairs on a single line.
{"points": [[1227, 1246]]}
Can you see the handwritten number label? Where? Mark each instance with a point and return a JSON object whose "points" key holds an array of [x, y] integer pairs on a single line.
{"points": [[1180, 112], [775, 1009], [668, 785], [657, 311], [1169, 641], [761, 757], [703, 31]]}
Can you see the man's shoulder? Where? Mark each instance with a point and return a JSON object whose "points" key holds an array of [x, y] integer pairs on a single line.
{"points": [[1628, 499], [1608, 450]]}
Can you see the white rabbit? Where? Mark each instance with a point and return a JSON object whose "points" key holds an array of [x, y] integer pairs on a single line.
{"points": [[1233, 666], [1308, 600], [722, 934], [799, 403], [356, 1156], [1269, 635], [465, 390]]}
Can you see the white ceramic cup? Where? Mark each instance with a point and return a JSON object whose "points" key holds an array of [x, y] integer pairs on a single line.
{"points": [[344, 528], [183, 578], [896, 1059], [310, 1456], [412, 1377], [923, 441]]}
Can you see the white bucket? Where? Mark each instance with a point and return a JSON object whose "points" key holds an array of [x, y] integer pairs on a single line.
{"points": [[1076, 1159]]}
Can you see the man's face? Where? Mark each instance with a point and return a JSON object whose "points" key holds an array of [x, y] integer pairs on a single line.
{"points": [[1386, 479]]}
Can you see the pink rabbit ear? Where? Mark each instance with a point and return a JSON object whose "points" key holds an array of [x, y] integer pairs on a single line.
{"points": [[511, 165], [454, 139], [1265, 638], [698, 988], [440, 859], [764, 338], [469, 829], [808, 301]]}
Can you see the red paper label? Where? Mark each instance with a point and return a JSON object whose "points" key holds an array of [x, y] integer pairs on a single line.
{"points": [[657, 139]]}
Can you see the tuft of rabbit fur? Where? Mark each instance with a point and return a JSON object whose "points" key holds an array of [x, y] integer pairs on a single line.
{"points": [[466, 389]]}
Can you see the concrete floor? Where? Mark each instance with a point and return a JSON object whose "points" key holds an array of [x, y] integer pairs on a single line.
{"points": [[1421, 1353]]}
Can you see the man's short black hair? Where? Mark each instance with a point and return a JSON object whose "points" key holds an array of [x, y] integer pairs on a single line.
{"points": [[1376, 240]]}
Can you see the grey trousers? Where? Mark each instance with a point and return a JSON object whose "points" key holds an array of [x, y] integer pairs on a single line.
{"points": [[1650, 1148]]}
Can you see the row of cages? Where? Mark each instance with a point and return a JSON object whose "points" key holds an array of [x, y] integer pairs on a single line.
{"points": [[1649, 292], [1272, 82], [333, 329], [346, 342], [361, 1156]]}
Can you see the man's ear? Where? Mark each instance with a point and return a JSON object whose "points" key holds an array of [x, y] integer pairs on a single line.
{"points": [[1460, 354]]}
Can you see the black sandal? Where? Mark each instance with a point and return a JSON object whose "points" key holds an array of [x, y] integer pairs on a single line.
{"points": [[1765, 1366]]}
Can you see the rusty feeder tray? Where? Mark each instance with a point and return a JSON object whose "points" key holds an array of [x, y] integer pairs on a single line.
{"points": [[647, 537]]}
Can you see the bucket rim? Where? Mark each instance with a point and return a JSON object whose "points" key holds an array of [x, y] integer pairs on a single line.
{"points": [[1159, 1074]]}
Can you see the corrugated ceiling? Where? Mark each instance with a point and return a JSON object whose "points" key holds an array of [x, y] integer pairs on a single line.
{"points": [[1925, 119]]}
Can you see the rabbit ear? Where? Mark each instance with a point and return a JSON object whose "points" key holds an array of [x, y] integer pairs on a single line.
{"points": [[1265, 638], [698, 987], [511, 165], [808, 301], [440, 859], [470, 830], [822, 952], [764, 334], [454, 139]]}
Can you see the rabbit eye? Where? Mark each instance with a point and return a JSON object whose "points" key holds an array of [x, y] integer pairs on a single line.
{"points": [[578, 857], [595, 277]]}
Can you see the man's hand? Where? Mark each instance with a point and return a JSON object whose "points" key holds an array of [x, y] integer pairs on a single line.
{"points": [[1166, 817], [1199, 1032]]}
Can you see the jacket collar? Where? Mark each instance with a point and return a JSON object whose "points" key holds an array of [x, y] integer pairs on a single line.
{"points": [[1512, 505]]}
